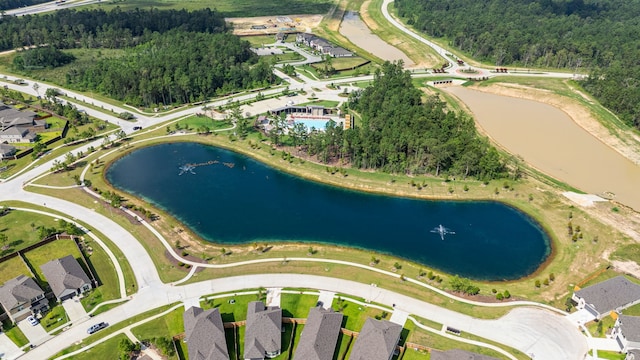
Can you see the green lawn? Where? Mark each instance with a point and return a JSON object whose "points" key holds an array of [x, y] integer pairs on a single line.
{"points": [[609, 355], [325, 103], [106, 273], [194, 122], [55, 318], [21, 228], [296, 336], [607, 323], [632, 311], [15, 334], [104, 351], [355, 315], [232, 342], [53, 250], [236, 311], [411, 354], [297, 305], [165, 326], [230, 8], [285, 353], [343, 346], [13, 268]]}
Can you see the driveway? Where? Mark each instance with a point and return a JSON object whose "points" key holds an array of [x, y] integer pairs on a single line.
{"points": [[8, 350], [74, 309], [35, 334], [326, 298]]}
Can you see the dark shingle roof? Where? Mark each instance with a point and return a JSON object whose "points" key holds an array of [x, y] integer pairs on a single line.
{"points": [[320, 335], [18, 291], [630, 327], [610, 294], [458, 355], [204, 334], [264, 330], [64, 275], [377, 340]]}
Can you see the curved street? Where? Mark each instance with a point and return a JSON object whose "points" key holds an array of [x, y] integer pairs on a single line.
{"points": [[539, 332]]}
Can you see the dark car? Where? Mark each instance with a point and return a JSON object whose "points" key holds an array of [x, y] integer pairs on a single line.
{"points": [[97, 327], [137, 128]]}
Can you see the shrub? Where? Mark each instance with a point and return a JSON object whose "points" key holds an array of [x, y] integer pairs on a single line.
{"points": [[499, 296]]}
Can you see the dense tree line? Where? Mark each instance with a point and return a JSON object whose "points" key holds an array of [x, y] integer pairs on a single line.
{"points": [[588, 35], [401, 133], [41, 57], [14, 4], [66, 29], [176, 67]]}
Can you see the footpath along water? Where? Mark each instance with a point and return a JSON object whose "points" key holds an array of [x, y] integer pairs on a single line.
{"points": [[549, 140], [234, 199]]}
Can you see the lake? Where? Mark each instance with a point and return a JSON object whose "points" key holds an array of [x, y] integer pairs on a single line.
{"points": [[230, 198]]}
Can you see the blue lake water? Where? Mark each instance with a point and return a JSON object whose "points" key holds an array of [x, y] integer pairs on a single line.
{"points": [[234, 199]]}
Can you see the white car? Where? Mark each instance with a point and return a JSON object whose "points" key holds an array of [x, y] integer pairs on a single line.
{"points": [[33, 321]]}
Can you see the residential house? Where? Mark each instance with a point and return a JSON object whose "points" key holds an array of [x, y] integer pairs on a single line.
{"points": [[66, 278], [458, 355], [281, 36], [626, 331], [614, 294], [19, 126], [7, 151], [21, 297], [321, 45], [204, 334], [304, 38], [377, 340], [263, 333], [337, 51], [320, 335]]}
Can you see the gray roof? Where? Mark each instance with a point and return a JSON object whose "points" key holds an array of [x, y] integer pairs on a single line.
{"points": [[610, 294], [630, 327], [458, 355], [320, 335], [64, 275], [335, 51], [264, 330], [10, 116], [6, 149], [377, 340], [204, 334], [17, 291]]}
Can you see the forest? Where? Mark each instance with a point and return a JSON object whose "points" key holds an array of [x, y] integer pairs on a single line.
{"points": [[14, 4], [169, 56], [587, 36], [66, 29], [401, 133]]}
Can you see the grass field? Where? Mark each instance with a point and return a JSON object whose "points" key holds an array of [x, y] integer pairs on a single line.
{"points": [[165, 326], [296, 305], [15, 334], [230, 8], [104, 351], [55, 318], [354, 314], [21, 228], [232, 308]]}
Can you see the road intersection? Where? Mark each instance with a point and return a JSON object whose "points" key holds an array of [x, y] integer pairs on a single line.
{"points": [[534, 330]]}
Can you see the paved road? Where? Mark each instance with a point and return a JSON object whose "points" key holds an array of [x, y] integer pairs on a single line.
{"points": [[531, 330]]}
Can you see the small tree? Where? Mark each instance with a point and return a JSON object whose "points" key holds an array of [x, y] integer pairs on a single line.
{"points": [[552, 276], [499, 296], [397, 266], [546, 282], [374, 260], [537, 283], [506, 294], [3, 240]]}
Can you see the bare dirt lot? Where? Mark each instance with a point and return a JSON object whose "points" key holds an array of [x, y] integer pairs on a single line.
{"points": [[267, 25]]}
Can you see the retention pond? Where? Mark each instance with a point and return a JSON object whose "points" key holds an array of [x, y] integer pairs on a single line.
{"points": [[229, 198]]}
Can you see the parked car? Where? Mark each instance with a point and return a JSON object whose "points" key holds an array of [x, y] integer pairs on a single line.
{"points": [[137, 128], [96, 327], [33, 321]]}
